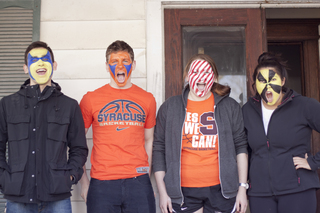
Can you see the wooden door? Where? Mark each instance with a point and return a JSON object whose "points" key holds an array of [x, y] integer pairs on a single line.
{"points": [[174, 19], [304, 33]]}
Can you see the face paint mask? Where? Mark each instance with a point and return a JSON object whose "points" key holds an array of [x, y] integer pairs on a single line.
{"points": [[201, 77], [120, 65], [40, 65], [269, 85]]}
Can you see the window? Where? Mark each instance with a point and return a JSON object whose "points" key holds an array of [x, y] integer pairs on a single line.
{"points": [[19, 26]]}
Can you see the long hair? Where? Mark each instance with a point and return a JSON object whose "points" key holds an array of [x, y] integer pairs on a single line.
{"points": [[216, 87]]}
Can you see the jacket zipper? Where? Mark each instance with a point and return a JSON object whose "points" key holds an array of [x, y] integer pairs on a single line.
{"points": [[215, 106], [268, 144], [184, 119]]}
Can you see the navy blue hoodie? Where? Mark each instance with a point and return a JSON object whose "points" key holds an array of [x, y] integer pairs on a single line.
{"points": [[271, 167]]}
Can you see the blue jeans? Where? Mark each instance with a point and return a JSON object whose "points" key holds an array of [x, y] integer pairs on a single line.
{"points": [[61, 206], [131, 195]]}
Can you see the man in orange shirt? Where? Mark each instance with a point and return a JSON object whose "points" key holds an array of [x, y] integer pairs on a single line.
{"points": [[122, 116]]}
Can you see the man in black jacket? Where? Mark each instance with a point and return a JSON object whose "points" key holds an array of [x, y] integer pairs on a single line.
{"points": [[44, 132]]}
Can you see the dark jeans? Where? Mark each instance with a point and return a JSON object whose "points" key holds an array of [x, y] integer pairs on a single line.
{"points": [[61, 206], [305, 202], [132, 195]]}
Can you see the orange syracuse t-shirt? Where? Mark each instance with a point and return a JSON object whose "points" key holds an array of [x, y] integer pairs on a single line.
{"points": [[118, 118], [199, 155]]}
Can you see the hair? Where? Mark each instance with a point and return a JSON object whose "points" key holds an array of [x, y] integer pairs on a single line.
{"points": [[119, 46], [37, 44], [269, 59], [216, 87]]}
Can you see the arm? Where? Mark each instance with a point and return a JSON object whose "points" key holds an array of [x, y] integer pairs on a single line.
{"points": [[3, 139], [148, 139], [240, 141], [164, 200], [84, 181], [78, 150], [313, 118], [241, 199]]}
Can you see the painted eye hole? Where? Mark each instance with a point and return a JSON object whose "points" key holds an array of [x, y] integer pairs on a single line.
{"points": [[263, 81], [45, 59], [34, 60]]}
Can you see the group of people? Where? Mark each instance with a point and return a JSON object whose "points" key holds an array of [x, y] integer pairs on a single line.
{"points": [[198, 144]]}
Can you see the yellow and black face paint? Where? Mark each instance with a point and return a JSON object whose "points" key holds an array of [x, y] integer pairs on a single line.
{"points": [[269, 85]]}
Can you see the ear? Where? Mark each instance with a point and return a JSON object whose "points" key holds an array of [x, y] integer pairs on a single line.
{"points": [[107, 67], [25, 69], [54, 66], [283, 81], [133, 65]]}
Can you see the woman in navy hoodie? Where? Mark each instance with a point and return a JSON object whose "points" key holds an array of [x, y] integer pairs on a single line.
{"points": [[279, 123]]}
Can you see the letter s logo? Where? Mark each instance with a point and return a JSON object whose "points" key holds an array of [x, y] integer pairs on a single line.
{"points": [[206, 122]]}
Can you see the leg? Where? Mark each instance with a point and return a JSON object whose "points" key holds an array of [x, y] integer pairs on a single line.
{"points": [[61, 206], [263, 204], [104, 196], [199, 211], [14, 207], [216, 203], [305, 202], [138, 195]]}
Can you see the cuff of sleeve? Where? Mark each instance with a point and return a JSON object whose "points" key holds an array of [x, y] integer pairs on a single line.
{"points": [[313, 165]]}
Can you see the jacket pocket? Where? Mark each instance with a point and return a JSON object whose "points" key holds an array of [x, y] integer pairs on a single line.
{"points": [[11, 181], [285, 176], [18, 142], [58, 128], [60, 181], [18, 127], [56, 146], [172, 180]]}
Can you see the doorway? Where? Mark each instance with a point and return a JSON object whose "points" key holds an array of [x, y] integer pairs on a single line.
{"points": [[298, 42]]}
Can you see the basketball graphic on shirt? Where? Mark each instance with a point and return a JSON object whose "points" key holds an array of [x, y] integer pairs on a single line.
{"points": [[122, 112]]}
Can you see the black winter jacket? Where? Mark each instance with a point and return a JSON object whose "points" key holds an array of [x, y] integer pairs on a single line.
{"points": [[38, 129], [272, 171]]}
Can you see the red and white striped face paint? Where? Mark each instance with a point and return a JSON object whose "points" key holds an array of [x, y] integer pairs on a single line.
{"points": [[201, 77]]}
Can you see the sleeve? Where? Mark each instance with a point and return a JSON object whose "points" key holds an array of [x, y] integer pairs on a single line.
{"points": [[78, 150], [3, 137], [238, 130], [158, 153], [313, 118], [86, 110], [151, 117]]}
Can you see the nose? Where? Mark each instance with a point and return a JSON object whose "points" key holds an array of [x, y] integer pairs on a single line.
{"points": [[40, 62], [120, 64]]}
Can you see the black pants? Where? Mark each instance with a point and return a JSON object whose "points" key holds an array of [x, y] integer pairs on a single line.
{"points": [[301, 202]]}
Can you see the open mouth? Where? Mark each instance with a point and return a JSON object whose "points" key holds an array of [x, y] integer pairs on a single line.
{"points": [[269, 96], [41, 71], [201, 86], [121, 77]]}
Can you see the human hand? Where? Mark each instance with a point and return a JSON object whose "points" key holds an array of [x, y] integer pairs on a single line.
{"points": [[241, 200], [84, 190], [165, 203], [301, 163]]}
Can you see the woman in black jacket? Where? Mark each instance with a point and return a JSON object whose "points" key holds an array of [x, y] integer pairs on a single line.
{"points": [[279, 123]]}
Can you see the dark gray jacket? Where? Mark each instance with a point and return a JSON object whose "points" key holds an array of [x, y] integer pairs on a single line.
{"points": [[46, 143], [168, 139]]}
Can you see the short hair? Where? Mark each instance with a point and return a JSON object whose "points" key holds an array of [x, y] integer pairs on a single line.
{"points": [[119, 46], [37, 44]]}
